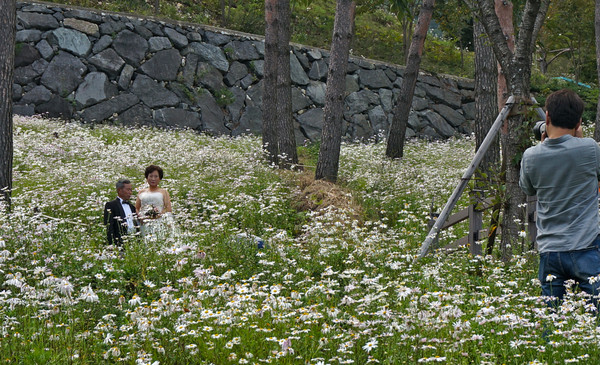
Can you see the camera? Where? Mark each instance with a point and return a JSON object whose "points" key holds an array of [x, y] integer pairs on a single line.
{"points": [[538, 129]]}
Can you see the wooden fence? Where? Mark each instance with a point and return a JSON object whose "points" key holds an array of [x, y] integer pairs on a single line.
{"points": [[474, 213]]}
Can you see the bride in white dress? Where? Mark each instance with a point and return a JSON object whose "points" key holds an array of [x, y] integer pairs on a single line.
{"points": [[153, 206]]}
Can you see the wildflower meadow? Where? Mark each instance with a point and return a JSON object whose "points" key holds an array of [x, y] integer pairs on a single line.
{"points": [[333, 284]]}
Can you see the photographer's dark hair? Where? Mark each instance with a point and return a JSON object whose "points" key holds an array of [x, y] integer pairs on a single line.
{"points": [[150, 169], [565, 108]]}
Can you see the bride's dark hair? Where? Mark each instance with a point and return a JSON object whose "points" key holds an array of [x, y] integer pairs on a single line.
{"points": [[150, 169]]}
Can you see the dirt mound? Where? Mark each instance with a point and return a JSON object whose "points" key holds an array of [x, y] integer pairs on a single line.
{"points": [[316, 195]]}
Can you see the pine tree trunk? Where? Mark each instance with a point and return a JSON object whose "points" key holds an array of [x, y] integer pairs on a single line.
{"points": [[288, 156], [486, 102], [269, 127], [395, 143], [8, 12], [331, 138]]}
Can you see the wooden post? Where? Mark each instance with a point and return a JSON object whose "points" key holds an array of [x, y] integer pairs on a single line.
{"points": [[531, 219], [475, 225]]}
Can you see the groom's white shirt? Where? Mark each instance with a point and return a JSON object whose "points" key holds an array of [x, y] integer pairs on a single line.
{"points": [[128, 215]]}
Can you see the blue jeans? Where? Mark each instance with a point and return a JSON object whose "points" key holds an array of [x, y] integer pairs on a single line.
{"points": [[578, 265]]}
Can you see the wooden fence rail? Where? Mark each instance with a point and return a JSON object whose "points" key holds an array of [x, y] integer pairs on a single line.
{"points": [[474, 213]]}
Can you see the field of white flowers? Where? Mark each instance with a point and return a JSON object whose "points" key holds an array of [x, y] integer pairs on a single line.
{"points": [[331, 286]]}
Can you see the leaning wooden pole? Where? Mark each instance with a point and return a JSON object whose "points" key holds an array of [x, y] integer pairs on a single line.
{"points": [[466, 177]]}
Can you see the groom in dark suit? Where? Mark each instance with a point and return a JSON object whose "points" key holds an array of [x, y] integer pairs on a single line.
{"points": [[119, 214]]}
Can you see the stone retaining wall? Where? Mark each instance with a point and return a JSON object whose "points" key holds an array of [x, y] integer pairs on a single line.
{"points": [[93, 66]]}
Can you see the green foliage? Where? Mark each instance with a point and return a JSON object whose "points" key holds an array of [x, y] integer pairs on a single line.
{"points": [[224, 97], [543, 86]]}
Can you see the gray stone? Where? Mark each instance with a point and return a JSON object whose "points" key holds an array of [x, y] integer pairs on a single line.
{"points": [[311, 124], [387, 101], [241, 51], [419, 104], [179, 40], [314, 54], [177, 118], [187, 95], [209, 53], [163, 66], [235, 109], [25, 75], [63, 74], [28, 36], [250, 122], [374, 79], [351, 84], [152, 93], [302, 58], [409, 134], [213, 118], [24, 110], [297, 73], [361, 129], [108, 61], [155, 28], [299, 100], [45, 49], [210, 77], [430, 133], [105, 110], [430, 80], [143, 31], [439, 124], [260, 47], [71, 40], [95, 88], [316, 91], [378, 119], [125, 77], [363, 63], [56, 107], [84, 15], [101, 44], [37, 95], [391, 74], [111, 27], [37, 21], [255, 94], [17, 92], [217, 39], [158, 44], [82, 26], [355, 103], [137, 115], [416, 122], [443, 96], [351, 67], [466, 84], [36, 9], [258, 68], [469, 110], [190, 65], [318, 71], [237, 71], [130, 46], [452, 116], [194, 37], [247, 81], [26, 55]]}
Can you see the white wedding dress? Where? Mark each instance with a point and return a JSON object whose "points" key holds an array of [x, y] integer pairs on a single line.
{"points": [[155, 226]]}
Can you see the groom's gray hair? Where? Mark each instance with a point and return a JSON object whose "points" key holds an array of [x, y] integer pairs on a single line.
{"points": [[122, 183]]}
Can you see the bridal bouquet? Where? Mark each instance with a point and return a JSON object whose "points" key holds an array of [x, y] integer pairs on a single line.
{"points": [[151, 211]]}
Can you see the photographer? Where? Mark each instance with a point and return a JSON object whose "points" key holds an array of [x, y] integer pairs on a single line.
{"points": [[563, 171]]}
